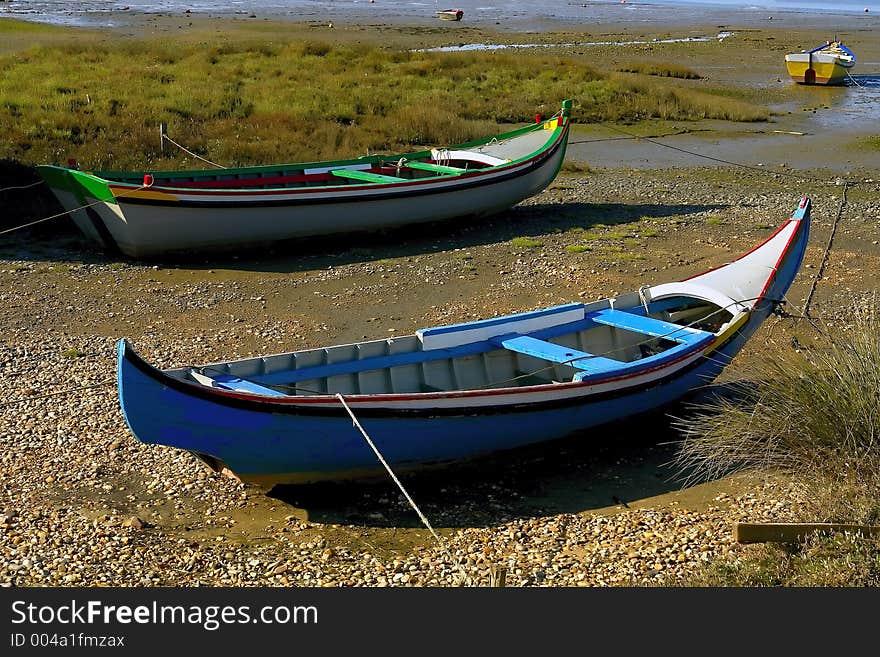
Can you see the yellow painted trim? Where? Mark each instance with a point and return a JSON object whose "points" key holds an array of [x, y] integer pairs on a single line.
{"points": [[824, 72], [147, 194]]}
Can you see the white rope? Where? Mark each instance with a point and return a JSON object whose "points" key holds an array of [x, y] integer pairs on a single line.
{"points": [[219, 166], [854, 81], [6, 189], [66, 391], [397, 481], [61, 214]]}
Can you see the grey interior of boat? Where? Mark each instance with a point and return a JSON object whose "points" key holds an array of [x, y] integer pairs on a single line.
{"points": [[400, 365]]}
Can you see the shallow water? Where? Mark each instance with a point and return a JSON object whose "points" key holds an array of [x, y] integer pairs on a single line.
{"points": [[509, 12]]}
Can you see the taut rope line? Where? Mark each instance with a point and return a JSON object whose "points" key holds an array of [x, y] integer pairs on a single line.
{"points": [[409, 499], [827, 252], [7, 189], [214, 164], [61, 214]]}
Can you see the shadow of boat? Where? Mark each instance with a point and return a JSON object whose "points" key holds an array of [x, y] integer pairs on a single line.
{"points": [[613, 466]]}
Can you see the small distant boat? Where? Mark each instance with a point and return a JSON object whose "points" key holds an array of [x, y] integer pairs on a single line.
{"points": [[450, 14], [455, 392], [148, 214], [826, 64]]}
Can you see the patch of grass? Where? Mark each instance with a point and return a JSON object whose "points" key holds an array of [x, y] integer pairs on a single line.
{"points": [[571, 166], [800, 412], [660, 69], [278, 100], [822, 560], [526, 242], [714, 221], [648, 232], [811, 413], [578, 248], [871, 142], [73, 353], [812, 416], [15, 26]]}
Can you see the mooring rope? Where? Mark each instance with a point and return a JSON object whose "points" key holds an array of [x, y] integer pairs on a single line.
{"points": [[21, 400], [7, 189], [61, 214], [463, 578], [853, 80], [716, 159], [827, 252], [183, 148]]}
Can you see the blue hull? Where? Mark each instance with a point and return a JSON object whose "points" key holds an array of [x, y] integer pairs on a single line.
{"points": [[262, 446], [267, 442]]}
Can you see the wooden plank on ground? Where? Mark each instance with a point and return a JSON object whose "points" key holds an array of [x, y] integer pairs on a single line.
{"points": [[792, 532]]}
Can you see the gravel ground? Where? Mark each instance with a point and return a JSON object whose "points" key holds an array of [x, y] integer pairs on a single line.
{"points": [[82, 502]]}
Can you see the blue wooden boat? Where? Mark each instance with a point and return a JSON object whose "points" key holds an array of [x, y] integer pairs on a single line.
{"points": [[455, 392]]}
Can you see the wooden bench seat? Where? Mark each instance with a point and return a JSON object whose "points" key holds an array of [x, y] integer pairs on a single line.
{"points": [[230, 382], [647, 325], [436, 168], [555, 353], [365, 176]]}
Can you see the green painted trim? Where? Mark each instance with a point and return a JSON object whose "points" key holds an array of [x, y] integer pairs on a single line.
{"points": [[436, 168], [365, 176], [82, 185], [96, 183]]}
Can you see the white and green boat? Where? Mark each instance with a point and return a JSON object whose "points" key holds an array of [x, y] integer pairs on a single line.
{"points": [[149, 214]]}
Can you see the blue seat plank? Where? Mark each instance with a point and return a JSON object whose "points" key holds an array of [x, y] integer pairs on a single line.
{"points": [[230, 382], [684, 347], [555, 353], [647, 325]]}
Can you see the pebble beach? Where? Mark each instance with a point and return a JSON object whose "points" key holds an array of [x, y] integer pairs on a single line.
{"points": [[85, 504]]}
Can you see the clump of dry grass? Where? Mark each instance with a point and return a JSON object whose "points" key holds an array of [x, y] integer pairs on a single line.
{"points": [[660, 69], [814, 415], [821, 560], [251, 101]]}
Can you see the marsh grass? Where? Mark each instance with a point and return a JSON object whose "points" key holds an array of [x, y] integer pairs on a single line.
{"points": [[814, 418], [252, 101], [871, 142], [526, 243], [660, 69], [812, 415], [821, 560]]}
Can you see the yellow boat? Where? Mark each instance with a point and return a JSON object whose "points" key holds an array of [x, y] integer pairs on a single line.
{"points": [[825, 64]]}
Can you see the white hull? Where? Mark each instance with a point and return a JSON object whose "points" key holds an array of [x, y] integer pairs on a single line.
{"points": [[141, 230]]}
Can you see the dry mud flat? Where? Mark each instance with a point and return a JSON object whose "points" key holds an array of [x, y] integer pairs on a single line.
{"points": [[84, 503]]}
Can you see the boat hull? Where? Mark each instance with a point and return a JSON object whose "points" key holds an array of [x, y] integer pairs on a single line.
{"points": [[818, 70], [292, 439], [302, 447], [144, 221], [139, 230]]}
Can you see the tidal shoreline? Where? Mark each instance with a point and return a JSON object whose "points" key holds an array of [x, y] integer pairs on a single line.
{"points": [[601, 16], [82, 502]]}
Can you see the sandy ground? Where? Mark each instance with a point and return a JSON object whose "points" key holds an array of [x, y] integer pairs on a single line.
{"points": [[72, 474]]}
